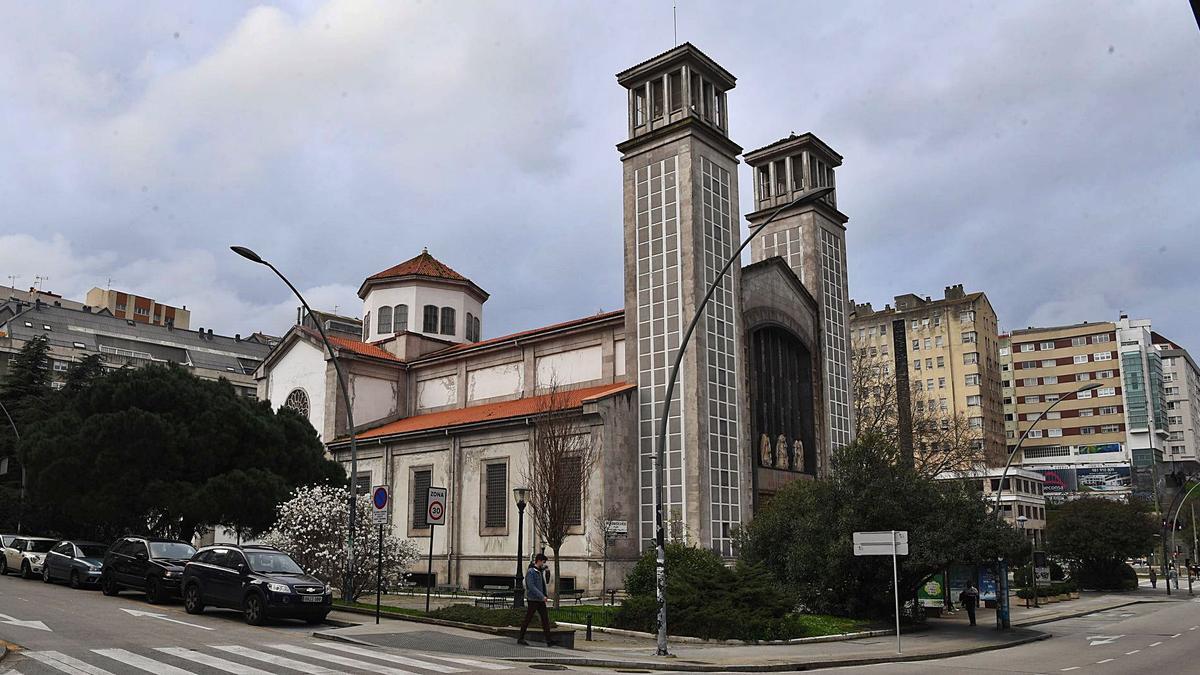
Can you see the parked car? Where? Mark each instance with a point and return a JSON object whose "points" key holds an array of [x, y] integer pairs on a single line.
{"points": [[25, 554], [154, 566], [261, 581], [79, 563], [6, 540]]}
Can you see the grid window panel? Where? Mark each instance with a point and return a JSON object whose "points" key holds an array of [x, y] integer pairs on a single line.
{"points": [[496, 499], [420, 496], [834, 295]]}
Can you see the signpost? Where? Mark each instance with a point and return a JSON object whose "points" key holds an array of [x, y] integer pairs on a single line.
{"points": [[435, 514], [893, 543], [379, 515]]}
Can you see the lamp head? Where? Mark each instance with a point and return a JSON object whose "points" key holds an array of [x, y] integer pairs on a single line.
{"points": [[1094, 385], [247, 254], [1021, 520], [813, 195], [519, 493]]}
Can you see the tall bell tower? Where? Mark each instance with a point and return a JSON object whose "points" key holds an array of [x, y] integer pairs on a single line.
{"points": [[681, 224]]}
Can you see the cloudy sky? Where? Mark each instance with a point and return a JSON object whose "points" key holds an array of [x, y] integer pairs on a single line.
{"points": [[1045, 153]]}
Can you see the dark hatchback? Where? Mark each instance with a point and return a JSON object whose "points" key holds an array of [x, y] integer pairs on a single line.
{"points": [[78, 563], [261, 581], [154, 566]]}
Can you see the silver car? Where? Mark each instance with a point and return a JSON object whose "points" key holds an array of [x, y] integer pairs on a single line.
{"points": [[25, 555]]}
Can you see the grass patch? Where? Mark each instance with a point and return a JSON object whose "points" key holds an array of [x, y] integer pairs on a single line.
{"points": [[813, 625]]}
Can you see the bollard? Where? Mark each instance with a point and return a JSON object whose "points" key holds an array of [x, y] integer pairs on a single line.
{"points": [[589, 628]]}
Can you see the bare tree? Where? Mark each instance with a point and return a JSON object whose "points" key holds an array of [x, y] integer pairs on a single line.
{"points": [[943, 439], [561, 460], [604, 534]]}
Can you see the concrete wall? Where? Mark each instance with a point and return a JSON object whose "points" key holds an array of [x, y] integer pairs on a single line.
{"points": [[570, 367], [302, 367], [505, 379], [416, 295], [437, 392]]}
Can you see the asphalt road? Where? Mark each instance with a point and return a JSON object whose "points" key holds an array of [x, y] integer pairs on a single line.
{"points": [[53, 629], [1161, 638]]}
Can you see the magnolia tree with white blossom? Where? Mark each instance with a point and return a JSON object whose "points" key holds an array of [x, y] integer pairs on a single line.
{"points": [[312, 527]]}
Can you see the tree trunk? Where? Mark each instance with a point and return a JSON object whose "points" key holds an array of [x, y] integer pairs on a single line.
{"points": [[556, 578]]}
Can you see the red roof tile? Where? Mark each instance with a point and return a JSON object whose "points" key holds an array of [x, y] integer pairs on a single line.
{"points": [[424, 265], [490, 412], [355, 346]]}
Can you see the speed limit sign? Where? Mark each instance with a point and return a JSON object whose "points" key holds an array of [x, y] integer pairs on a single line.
{"points": [[435, 511]]}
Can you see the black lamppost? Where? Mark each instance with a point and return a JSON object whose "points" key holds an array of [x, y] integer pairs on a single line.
{"points": [[519, 589], [347, 588], [660, 564], [21, 504]]}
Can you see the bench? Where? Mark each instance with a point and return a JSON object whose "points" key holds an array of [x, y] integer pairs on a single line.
{"points": [[495, 596]]}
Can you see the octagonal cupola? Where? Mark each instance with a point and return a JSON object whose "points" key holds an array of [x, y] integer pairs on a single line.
{"points": [[422, 295]]}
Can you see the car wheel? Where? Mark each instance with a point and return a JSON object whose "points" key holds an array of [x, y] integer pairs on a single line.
{"points": [[191, 600], [45, 573], [3, 566], [153, 592], [75, 579], [256, 613], [108, 586], [26, 571]]}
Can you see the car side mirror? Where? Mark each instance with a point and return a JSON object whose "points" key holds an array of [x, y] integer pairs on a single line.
{"points": [[243, 569]]}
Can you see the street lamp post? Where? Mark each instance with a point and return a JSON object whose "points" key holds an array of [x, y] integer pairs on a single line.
{"points": [[660, 563], [21, 503], [347, 588], [519, 589], [1002, 580], [1021, 520]]}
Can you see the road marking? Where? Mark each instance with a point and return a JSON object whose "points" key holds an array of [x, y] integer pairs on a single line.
{"points": [[274, 660], [1103, 639], [1176, 635], [13, 621], [1132, 652], [64, 663], [392, 658], [164, 617], [1104, 661], [141, 662], [469, 662], [1071, 668], [1155, 644], [212, 661], [1194, 627], [341, 660]]}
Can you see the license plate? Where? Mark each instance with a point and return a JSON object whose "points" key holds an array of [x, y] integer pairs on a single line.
{"points": [[313, 598]]}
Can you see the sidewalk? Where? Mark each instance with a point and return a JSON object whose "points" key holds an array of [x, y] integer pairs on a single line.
{"points": [[940, 638]]}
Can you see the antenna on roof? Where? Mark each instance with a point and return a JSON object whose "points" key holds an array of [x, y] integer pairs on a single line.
{"points": [[38, 279], [12, 280], [675, 21], [109, 282]]}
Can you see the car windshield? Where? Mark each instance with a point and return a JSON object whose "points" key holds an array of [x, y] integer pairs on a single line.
{"points": [[35, 546], [92, 551], [272, 563], [171, 550]]}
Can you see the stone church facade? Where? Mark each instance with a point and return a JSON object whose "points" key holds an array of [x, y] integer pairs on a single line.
{"points": [[435, 404]]}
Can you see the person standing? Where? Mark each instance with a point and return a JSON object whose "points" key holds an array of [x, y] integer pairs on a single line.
{"points": [[535, 599], [1173, 577], [1153, 578], [969, 599]]}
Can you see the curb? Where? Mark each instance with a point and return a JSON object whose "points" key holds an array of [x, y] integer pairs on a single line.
{"points": [[491, 630], [692, 666], [1076, 615], [837, 637]]}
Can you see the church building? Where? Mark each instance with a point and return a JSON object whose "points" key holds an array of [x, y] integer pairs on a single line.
{"points": [[762, 396]]}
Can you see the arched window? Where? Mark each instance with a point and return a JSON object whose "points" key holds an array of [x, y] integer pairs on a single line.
{"points": [[469, 327], [400, 319], [366, 326], [478, 330], [447, 321], [430, 323], [385, 321], [298, 401]]}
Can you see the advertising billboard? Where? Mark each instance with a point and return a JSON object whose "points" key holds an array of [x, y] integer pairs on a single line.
{"points": [[1097, 449], [1104, 478], [1058, 480]]}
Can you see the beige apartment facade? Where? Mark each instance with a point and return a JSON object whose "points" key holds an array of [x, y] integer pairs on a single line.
{"points": [[951, 353], [139, 308]]}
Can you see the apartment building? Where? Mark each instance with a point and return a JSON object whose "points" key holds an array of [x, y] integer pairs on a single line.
{"points": [[1106, 439], [1023, 496], [951, 352], [1181, 388], [139, 308]]}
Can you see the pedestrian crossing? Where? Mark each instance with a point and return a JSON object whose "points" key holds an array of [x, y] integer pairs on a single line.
{"points": [[313, 658]]}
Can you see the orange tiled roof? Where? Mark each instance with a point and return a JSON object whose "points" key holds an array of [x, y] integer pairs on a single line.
{"points": [[355, 346], [424, 265], [490, 412]]}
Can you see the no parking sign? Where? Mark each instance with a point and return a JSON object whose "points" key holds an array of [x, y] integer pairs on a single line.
{"points": [[379, 503]]}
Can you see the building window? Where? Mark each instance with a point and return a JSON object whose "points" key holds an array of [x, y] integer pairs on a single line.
{"points": [[385, 321], [941, 383], [764, 181], [974, 400], [929, 363], [975, 422], [1083, 377], [1108, 410], [966, 317], [400, 319], [1033, 399], [1097, 339], [469, 328], [1050, 379], [1004, 351], [366, 326], [298, 400], [970, 357], [496, 497], [430, 320], [1029, 382], [972, 380], [1054, 433], [572, 488], [916, 345], [639, 107], [1086, 412], [1087, 431], [1103, 374], [929, 384], [941, 361], [1175, 420], [916, 364], [937, 340], [1102, 356], [60, 366], [1048, 363], [1172, 391], [1078, 341], [447, 321], [421, 480], [675, 85], [1110, 428], [1104, 391], [928, 343], [1046, 345], [1027, 347], [970, 337], [883, 329], [1035, 433], [362, 484]]}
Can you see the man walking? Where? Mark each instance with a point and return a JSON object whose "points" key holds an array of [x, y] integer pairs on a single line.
{"points": [[535, 599], [1153, 578], [969, 599]]}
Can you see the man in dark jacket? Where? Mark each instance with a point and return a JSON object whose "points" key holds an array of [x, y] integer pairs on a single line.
{"points": [[969, 598], [535, 599]]}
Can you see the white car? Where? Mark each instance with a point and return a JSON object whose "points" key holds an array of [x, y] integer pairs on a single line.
{"points": [[25, 554]]}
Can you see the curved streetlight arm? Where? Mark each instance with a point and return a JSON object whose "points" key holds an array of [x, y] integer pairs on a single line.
{"points": [[347, 591], [660, 455], [1017, 447], [1175, 518], [21, 507]]}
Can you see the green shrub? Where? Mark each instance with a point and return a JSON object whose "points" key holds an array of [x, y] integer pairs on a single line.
{"points": [[1108, 575], [680, 559], [481, 616]]}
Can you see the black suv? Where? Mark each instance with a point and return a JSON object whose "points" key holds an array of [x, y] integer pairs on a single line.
{"points": [[145, 564], [261, 581]]}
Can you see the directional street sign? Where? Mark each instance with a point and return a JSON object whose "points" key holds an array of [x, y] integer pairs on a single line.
{"points": [[435, 512], [880, 543], [379, 503]]}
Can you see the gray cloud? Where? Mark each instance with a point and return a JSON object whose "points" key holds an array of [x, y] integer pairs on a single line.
{"points": [[1042, 153]]}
